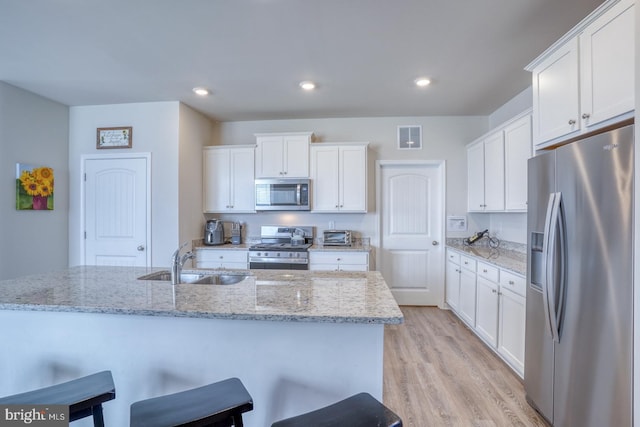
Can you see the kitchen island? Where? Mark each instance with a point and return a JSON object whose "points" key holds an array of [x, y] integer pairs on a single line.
{"points": [[298, 340]]}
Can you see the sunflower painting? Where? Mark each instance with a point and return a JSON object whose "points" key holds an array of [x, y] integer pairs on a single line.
{"points": [[34, 187]]}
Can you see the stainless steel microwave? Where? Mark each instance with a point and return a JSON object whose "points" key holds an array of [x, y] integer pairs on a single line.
{"points": [[283, 194]]}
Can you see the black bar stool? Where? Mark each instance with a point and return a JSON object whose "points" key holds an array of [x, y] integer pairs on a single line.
{"points": [[360, 410], [84, 396], [219, 404]]}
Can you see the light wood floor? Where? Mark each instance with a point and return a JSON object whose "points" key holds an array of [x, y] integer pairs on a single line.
{"points": [[438, 373]]}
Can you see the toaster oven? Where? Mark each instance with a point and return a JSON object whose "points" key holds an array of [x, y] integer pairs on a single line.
{"points": [[336, 238]]}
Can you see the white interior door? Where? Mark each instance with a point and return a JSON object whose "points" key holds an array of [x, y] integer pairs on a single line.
{"points": [[411, 256], [116, 211]]}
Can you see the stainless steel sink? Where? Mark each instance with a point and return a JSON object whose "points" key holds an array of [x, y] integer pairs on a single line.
{"points": [[198, 278]]}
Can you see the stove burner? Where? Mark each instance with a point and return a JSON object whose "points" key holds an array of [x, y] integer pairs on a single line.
{"points": [[281, 246]]}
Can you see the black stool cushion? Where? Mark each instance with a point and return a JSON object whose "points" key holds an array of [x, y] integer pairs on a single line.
{"points": [[200, 406], [80, 394], [360, 410]]}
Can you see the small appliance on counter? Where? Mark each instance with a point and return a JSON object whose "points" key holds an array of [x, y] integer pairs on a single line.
{"points": [[236, 233], [336, 238], [214, 232]]}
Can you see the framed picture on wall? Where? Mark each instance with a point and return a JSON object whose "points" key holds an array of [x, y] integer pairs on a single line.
{"points": [[116, 137], [34, 187]]}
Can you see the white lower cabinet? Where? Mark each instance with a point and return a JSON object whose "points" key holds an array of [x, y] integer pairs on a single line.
{"points": [[487, 311], [452, 280], [222, 258], [512, 320], [492, 302], [338, 261], [467, 306]]}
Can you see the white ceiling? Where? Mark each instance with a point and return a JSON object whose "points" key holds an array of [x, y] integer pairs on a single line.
{"points": [[363, 54]]}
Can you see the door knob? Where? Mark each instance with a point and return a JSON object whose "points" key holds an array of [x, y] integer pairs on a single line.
{"points": [[435, 243], [140, 248]]}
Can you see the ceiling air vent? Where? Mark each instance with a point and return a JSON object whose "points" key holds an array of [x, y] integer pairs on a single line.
{"points": [[409, 137]]}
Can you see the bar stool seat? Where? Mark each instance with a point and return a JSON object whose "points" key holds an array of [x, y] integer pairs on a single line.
{"points": [[218, 404], [84, 396], [360, 410]]}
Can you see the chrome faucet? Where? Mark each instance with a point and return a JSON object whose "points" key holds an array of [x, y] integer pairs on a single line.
{"points": [[177, 262]]}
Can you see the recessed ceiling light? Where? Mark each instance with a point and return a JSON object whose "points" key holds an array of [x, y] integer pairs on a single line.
{"points": [[307, 85], [422, 82], [202, 91]]}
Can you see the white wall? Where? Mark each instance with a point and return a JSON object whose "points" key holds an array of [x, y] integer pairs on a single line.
{"points": [[33, 130], [512, 108], [196, 131], [155, 130], [444, 138]]}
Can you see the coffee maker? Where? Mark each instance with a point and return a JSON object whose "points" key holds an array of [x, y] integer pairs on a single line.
{"points": [[214, 232]]}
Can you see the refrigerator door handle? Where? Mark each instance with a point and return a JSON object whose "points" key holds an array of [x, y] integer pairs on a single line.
{"points": [[555, 264], [546, 260], [562, 266]]}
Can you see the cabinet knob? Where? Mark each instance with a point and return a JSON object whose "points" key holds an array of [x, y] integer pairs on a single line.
{"points": [[435, 243], [140, 248], [511, 282], [484, 271], [572, 122], [221, 257], [337, 206], [494, 291], [586, 116], [338, 259]]}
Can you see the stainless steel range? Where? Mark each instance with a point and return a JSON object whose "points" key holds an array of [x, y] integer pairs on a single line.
{"points": [[281, 248]]}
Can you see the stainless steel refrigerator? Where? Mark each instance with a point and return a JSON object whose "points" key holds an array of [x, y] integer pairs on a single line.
{"points": [[579, 330]]}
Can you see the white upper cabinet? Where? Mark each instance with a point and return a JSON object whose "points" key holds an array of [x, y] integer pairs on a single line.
{"points": [[339, 177], [494, 172], [556, 95], [228, 177], [607, 65], [517, 151], [586, 80], [283, 155], [497, 168], [475, 177]]}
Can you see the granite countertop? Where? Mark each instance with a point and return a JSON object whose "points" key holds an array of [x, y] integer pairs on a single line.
{"points": [[278, 295], [503, 257], [355, 247], [225, 247]]}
